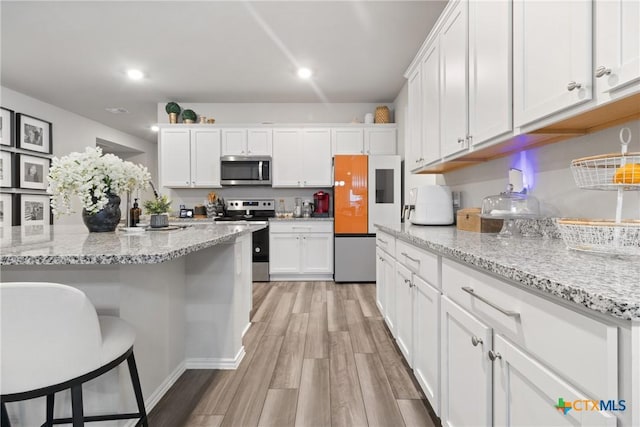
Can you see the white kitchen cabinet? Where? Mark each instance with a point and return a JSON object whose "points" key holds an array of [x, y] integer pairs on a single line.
{"points": [[617, 51], [454, 93], [302, 158], [413, 157], [247, 142], [189, 158], [404, 313], [380, 283], [426, 339], [523, 391], [552, 48], [380, 141], [490, 65], [430, 105], [466, 371], [347, 141], [385, 289], [301, 250]]}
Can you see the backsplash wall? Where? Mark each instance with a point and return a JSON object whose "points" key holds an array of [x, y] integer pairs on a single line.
{"points": [[553, 183]]}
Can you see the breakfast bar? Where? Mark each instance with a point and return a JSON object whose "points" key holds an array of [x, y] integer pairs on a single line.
{"points": [[185, 290]]}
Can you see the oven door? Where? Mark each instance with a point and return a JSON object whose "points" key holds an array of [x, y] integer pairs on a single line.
{"points": [[243, 170]]}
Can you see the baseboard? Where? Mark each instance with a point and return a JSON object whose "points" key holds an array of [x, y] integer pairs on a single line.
{"points": [[246, 329], [214, 362], [301, 277]]}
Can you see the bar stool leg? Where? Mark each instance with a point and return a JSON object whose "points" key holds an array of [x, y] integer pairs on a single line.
{"points": [[4, 417], [135, 381], [50, 402], [76, 406]]}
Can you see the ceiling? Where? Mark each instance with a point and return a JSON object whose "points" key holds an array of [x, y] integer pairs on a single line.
{"points": [[75, 54]]}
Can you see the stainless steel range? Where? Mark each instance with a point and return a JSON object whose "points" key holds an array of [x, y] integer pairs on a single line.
{"points": [[254, 210]]}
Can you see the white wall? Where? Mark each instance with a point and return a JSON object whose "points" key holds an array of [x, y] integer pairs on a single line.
{"points": [[72, 132], [401, 106], [554, 185]]}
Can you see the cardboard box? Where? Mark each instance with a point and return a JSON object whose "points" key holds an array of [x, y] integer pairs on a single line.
{"points": [[469, 220]]}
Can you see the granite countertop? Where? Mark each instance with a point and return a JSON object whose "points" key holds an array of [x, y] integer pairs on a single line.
{"points": [[311, 218], [606, 284], [60, 244]]}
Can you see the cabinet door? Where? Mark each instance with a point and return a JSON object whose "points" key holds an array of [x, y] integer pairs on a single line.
{"points": [[379, 141], [259, 142], [175, 158], [426, 340], [286, 157], [453, 57], [552, 55], [389, 292], [617, 44], [284, 253], [414, 130], [465, 368], [431, 104], [380, 284], [490, 84], [234, 142], [316, 158], [527, 393], [205, 157], [317, 253], [404, 315], [347, 141]]}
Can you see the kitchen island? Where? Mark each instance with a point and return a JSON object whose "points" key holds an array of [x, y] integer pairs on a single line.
{"points": [[517, 326], [186, 291]]}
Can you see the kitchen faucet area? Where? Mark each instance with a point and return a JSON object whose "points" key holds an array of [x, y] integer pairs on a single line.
{"points": [[311, 213]]}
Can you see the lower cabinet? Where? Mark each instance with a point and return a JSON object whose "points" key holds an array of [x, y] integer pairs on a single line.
{"points": [[404, 311], [301, 250], [466, 369]]}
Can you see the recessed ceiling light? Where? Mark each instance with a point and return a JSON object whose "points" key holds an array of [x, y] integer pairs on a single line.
{"points": [[117, 110], [304, 73], [155, 128], [135, 74]]}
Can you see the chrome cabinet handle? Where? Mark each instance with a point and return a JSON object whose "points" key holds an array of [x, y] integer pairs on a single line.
{"points": [[469, 139], [382, 241], [409, 282], [573, 85], [602, 71], [475, 341], [493, 355], [381, 259], [412, 259], [460, 140], [509, 313]]}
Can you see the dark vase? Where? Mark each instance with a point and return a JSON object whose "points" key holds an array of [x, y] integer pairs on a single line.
{"points": [[106, 219]]}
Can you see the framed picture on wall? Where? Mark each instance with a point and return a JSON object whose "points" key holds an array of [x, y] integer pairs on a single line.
{"points": [[6, 210], [6, 169], [34, 209], [6, 127], [33, 134], [32, 172]]}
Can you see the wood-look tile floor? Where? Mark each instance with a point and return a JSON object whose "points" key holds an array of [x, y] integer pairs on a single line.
{"points": [[318, 354]]}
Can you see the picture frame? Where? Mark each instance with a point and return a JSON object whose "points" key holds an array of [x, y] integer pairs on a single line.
{"points": [[33, 134], [33, 209], [6, 210], [6, 127], [6, 169], [32, 171]]}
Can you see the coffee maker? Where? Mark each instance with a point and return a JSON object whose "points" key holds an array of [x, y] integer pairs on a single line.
{"points": [[321, 203]]}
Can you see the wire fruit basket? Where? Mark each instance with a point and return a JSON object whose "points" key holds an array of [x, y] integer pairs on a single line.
{"points": [[620, 172]]}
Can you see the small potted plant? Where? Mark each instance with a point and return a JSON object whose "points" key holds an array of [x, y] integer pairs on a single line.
{"points": [[158, 209], [189, 116], [172, 109]]}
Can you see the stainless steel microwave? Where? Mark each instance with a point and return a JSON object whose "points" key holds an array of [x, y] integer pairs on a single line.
{"points": [[245, 170]]}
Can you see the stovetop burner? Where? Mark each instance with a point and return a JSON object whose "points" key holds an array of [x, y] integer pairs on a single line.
{"points": [[249, 210]]}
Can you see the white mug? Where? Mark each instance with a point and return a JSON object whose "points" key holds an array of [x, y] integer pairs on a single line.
{"points": [[368, 118]]}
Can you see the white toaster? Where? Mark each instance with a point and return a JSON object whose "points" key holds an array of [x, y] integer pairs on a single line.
{"points": [[434, 206]]}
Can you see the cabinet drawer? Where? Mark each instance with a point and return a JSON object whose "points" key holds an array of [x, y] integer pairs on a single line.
{"points": [[301, 226], [577, 347], [386, 242], [421, 262]]}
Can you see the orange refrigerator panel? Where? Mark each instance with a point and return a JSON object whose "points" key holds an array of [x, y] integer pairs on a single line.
{"points": [[350, 194]]}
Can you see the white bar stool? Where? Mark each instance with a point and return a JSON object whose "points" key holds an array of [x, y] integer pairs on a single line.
{"points": [[52, 340]]}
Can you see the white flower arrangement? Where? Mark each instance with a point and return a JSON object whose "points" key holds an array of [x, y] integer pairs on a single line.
{"points": [[93, 177]]}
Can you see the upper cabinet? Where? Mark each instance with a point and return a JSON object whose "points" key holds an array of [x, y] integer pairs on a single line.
{"points": [[552, 57], [247, 142], [414, 145], [430, 105], [616, 65], [302, 157], [377, 140], [189, 158]]}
